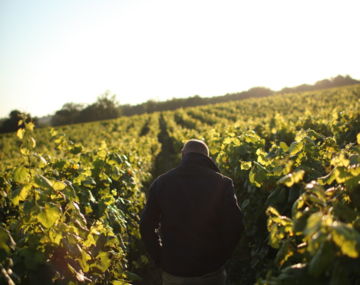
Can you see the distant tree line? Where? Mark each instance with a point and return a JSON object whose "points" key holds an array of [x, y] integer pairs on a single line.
{"points": [[107, 107], [322, 84], [175, 103]]}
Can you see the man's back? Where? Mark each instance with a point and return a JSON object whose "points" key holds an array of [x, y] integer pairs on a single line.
{"points": [[199, 218]]}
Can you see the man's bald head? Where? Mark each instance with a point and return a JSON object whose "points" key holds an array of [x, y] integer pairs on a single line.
{"points": [[195, 145]]}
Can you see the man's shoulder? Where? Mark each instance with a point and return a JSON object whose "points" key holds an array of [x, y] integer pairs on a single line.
{"points": [[166, 175], [226, 178], [174, 172]]}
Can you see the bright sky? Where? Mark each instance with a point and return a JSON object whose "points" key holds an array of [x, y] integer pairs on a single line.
{"points": [[54, 52]]}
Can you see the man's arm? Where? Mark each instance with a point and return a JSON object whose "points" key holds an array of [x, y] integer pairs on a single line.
{"points": [[149, 222], [232, 224]]}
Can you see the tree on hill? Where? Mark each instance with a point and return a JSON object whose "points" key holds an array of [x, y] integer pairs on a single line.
{"points": [[68, 114], [11, 124], [336, 81], [322, 84], [106, 107]]}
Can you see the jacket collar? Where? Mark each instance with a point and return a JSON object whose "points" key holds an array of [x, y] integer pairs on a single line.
{"points": [[198, 159]]}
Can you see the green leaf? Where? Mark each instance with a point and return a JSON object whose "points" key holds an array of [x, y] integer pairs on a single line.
{"points": [[83, 260], [284, 146], [55, 236], [32, 257], [322, 259], [245, 165], [340, 160], [53, 132], [344, 212], [251, 137], [272, 211], [284, 253], [103, 261], [43, 182], [20, 133], [30, 126], [294, 274], [120, 282], [315, 190], [6, 241], [278, 226], [347, 239], [20, 194], [295, 148], [49, 215], [79, 275], [292, 178], [58, 185], [258, 174], [341, 174], [89, 181], [41, 161], [327, 179], [313, 224], [21, 175], [24, 151], [76, 149], [133, 277], [32, 142]]}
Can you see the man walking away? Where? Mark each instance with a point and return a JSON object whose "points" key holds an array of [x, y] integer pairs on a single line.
{"points": [[192, 222]]}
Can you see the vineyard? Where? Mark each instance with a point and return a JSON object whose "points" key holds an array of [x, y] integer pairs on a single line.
{"points": [[70, 197]]}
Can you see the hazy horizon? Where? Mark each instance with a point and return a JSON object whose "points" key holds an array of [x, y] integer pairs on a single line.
{"points": [[55, 53], [239, 91]]}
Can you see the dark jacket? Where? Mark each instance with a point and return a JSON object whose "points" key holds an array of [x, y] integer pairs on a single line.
{"points": [[191, 222]]}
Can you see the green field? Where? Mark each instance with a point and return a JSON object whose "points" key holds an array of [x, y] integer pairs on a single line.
{"points": [[70, 197]]}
